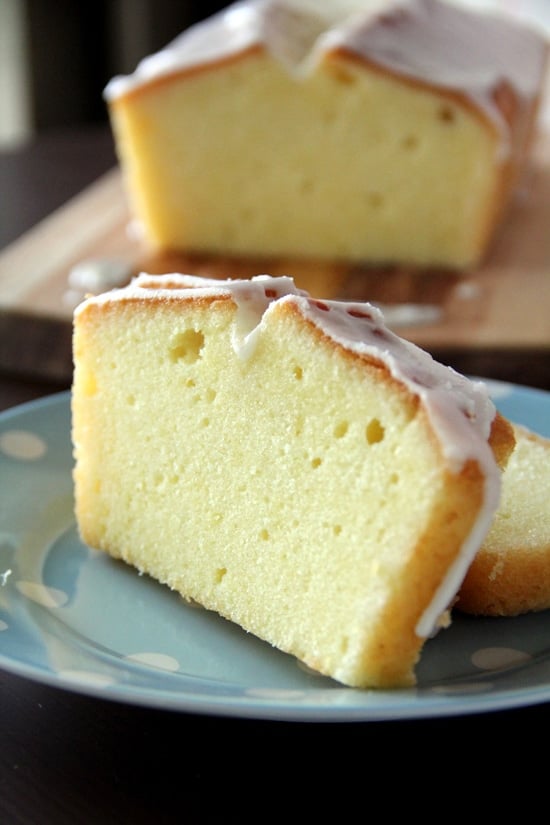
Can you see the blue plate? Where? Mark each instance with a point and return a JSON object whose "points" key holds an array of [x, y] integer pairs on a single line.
{"points": [[74, 618]]}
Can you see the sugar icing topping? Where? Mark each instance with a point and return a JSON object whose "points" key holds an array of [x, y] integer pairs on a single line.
{"points": [[460, 409], [420, 39]]}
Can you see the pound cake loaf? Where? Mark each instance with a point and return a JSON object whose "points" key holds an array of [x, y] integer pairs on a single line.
{"points": [[347, 130], [287, 462], [510, 574]]}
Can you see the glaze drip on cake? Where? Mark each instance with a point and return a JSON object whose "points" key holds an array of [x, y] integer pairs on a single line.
{"points": [[460, 410]]}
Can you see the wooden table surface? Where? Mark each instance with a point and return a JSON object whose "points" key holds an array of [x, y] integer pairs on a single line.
{"points": [[69, 758], [501, 304]]}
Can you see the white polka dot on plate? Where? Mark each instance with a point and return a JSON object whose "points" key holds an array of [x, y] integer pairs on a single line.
{"points": [[494, 658], [22, 444], [160, 660]]}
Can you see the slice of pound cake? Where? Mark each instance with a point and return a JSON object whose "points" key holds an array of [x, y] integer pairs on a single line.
{"points": [[511, 572], [378, 131], [287, 462]]}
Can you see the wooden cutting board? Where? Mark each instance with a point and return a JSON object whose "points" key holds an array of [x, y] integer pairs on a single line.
{"points": [[504, 303]]}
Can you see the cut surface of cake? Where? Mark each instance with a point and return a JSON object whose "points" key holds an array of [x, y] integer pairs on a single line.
{"points": [[510, 574], [287, 462], [379, 132]]}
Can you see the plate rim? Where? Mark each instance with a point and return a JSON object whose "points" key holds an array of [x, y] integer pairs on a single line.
{"points": [[394, 705]]}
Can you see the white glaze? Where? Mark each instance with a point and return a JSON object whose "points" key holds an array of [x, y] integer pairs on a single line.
{"points": [[434, 42], [460, 410]]}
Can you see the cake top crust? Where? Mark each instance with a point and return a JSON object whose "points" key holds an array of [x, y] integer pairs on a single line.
{"points": [[433, 42], [460, 410]]}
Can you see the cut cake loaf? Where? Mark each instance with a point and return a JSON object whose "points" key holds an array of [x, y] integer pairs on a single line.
{"points": [[287, 462], [511, 572], [378, 132]]}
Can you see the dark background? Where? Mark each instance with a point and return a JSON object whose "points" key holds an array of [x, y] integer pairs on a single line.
{"points": [[75, 48]]}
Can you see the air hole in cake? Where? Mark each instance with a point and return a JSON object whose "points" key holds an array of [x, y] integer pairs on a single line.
{"points": [[341, 429], [220, 574], [394, 478], [205, 422], [131, 400], [264, 534], [316, 462], [343, 76], [190, 382], [187, 346], [410, 142], [374, 431], [446, 114], [375, 199], [329, 116], [298, 373], [210, 395], [337, 529]]}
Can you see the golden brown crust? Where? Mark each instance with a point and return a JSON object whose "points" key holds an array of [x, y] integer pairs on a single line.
{"points": [[511, 572], [507, 583], [428, 564], [502, 439]]}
